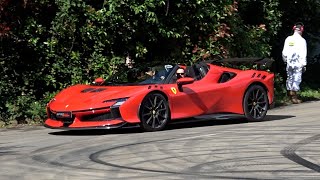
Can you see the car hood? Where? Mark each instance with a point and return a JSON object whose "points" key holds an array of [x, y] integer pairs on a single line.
{"points": [[84, 97]]}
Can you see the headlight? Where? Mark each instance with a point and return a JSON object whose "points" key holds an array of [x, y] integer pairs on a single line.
{"points": [[118, 102]]}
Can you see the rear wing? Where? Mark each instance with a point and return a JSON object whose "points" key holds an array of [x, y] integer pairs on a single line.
{"points": [[257, 63]]}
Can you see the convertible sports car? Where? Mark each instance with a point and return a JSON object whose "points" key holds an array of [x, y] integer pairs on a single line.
{"points": [[154, 96]]}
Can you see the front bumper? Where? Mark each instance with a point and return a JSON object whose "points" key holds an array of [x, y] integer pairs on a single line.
{"points": [[103, 118], [81, 127]]}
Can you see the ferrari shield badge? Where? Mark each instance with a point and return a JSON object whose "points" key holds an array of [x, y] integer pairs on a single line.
{"points": [[174, 90]]}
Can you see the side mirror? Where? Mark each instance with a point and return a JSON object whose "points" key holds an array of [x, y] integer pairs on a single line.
{"points": [[184, 81], [98, 80]]}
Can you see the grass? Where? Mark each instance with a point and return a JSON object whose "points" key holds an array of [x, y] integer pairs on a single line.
{"points": [[306, 94], [310, 94]]}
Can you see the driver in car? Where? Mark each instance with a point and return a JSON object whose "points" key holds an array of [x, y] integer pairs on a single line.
{"points": [[180, 73]]}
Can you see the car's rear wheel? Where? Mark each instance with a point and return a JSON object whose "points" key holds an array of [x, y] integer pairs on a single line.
{"points": [[255, 103], [154, 112]]}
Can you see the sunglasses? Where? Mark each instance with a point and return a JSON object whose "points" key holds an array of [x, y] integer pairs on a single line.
{"points": [[180, 74]]}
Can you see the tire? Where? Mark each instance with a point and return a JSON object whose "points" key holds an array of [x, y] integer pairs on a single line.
{"points": [[255, 103], [154, 112]]}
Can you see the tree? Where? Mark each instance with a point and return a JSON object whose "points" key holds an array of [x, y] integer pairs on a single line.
{"points": [[53, 44]]}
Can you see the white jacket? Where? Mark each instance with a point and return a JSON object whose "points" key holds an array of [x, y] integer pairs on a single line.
{"points": [[294, 51]]}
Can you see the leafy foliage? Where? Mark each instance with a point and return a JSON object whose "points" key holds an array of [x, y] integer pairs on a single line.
{"points": [[50, 45]]}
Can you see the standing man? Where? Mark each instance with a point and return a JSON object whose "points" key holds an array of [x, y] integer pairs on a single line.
{"points": [[294, 55]]}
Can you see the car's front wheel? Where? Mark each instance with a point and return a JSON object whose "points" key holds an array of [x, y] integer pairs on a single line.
{"points": [[255, 103], [154, 112]]}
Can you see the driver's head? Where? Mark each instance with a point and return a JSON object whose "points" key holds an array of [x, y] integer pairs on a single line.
{"points": [[180, 73], [150, 71]]}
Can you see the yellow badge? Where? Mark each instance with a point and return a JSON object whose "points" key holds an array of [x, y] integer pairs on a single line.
{"points": [[291, 43], [174, 90]]}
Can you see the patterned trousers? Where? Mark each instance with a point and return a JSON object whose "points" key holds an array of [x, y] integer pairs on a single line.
{"points": [[294, 77]]}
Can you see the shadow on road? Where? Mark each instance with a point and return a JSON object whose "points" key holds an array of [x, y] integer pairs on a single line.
{"points": [[97, 132], [221, 121], [277, 117], [180, 124]]}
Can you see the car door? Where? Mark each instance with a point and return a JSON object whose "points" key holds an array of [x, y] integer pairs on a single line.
{"points": [[193, 99]]}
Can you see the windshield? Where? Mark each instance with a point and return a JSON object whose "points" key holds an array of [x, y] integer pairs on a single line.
{"points": [[142, 75]]}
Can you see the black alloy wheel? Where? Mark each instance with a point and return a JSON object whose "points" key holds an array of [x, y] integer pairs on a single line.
{"points": [[255, 103], [154, 112]]}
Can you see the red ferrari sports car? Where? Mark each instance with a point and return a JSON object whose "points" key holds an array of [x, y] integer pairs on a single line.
{"points": [[153, 97]]}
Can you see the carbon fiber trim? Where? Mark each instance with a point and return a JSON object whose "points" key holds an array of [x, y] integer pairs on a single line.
{"points": [[87, 128]]}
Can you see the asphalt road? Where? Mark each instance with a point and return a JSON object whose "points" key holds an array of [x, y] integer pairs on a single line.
{"points": [[285, 146]]}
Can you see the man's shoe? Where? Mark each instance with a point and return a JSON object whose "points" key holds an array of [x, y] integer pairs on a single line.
{"points": [[294, 98]]}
